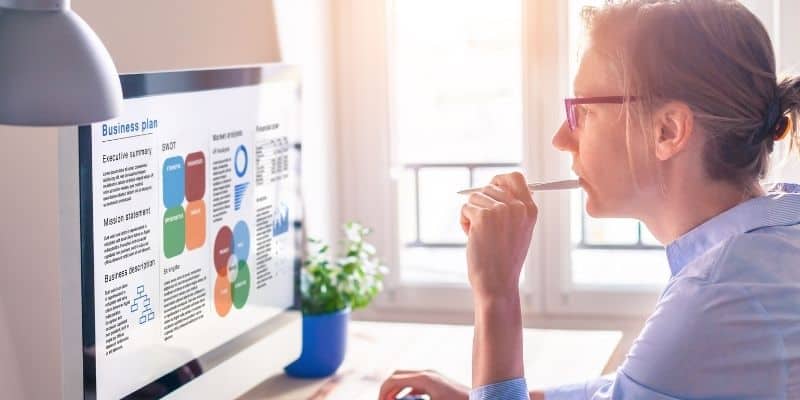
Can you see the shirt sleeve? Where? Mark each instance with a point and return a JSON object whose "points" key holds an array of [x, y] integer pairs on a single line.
{"points": [[579, 391], [621, 387], [512, 389]]}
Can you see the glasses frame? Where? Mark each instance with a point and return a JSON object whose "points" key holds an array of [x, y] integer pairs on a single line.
{"points": [[570, 103]]}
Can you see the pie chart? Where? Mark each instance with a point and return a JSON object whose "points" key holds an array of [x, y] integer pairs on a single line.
{"points": [[232, 285]]}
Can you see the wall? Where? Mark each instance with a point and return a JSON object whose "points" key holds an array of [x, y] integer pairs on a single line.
{"points": [[30, 288], [10, 380], [147, 35], [142, 35], [29, 211]]}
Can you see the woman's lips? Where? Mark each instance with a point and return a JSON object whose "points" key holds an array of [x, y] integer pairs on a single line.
{"points": [[582, 182], [580, 179]]}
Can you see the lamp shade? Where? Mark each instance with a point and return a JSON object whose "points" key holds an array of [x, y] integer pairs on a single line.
{"points": [[54, 70]]}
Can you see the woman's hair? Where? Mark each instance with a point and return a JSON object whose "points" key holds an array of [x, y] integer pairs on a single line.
{"points": [[713, 55]]}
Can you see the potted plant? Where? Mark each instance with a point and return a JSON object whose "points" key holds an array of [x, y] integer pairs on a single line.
{"points": [[330, 290]]}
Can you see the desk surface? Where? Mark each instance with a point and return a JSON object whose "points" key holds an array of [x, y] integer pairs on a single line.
{"points": [[375, 349]]}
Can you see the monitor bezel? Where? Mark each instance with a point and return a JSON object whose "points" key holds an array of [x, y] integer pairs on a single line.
{"points": [[163, 83]]}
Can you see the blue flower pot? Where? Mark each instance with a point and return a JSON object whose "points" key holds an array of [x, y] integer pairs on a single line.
{"points": [[324, 344]]}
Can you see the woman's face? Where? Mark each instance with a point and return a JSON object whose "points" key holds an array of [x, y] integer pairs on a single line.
{"points": [[598, 145]]}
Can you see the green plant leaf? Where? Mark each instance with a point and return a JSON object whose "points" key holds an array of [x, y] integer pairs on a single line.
{"points": [[351, 280]]}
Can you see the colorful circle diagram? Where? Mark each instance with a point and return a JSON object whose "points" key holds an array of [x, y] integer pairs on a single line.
{"points": [[240, 161], [232, 286], [184, 226]]}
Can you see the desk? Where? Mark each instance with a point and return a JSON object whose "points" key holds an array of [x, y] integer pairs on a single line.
{"points": [[375, 349]]}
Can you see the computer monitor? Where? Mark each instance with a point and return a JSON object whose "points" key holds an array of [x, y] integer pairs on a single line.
{"points": [[190, 219]]}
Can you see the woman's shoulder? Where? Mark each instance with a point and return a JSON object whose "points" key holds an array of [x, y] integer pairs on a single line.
{"points": [[766, 255], [753, 277], [743, 294], [702, 328]]}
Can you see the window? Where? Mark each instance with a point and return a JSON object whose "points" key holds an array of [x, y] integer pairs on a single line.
{"points": [[414, 77], [457, 112]]}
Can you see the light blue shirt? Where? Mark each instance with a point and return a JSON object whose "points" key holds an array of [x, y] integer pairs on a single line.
{"points": [[727, 326]]}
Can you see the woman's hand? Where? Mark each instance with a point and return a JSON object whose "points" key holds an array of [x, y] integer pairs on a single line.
{"points": [[499, 223], [423, 382]]}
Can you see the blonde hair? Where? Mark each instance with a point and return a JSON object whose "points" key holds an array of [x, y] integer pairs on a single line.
{"points": [[713, 55]]}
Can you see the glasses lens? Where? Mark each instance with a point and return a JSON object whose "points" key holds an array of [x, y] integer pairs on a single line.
{"points": [[571, 117]]}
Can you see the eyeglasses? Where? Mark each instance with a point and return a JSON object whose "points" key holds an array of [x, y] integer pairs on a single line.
{"points": [[573, 115]]}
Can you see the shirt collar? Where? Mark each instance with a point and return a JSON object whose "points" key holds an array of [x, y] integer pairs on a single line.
{"points": [[779, 207]]}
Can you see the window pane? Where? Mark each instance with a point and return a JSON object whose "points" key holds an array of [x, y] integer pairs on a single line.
{"points": [[440, 205], [456, 100], [434, 265], [483, 176], [620, 268], [610, 231], [648, 238], [407, 207], [457, 92]]}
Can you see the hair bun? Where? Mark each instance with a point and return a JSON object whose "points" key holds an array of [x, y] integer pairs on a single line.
{"points": [[783, 128], [772, 125]]}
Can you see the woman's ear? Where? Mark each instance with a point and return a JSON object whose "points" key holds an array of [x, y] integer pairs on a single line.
{"points": [[674, 125]]}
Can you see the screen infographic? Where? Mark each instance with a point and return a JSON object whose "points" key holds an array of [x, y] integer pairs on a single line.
{"points": [[193, 195]]}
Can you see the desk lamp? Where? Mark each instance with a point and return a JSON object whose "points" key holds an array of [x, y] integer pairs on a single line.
{"points": [[54, 70]]}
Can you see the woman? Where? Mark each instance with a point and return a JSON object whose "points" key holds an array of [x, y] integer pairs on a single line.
{"points": [[678, 107]]}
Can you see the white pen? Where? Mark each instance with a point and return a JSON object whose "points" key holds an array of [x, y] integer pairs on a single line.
{"points": [[552, 185], [405, 394]]}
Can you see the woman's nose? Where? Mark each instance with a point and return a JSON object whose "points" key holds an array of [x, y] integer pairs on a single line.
{"points": [[563, 139]]}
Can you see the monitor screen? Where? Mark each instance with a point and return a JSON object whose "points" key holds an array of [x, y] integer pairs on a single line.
{"points": [[189, 215]]}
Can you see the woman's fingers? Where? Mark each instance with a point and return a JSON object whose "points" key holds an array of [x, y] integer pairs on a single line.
{"points": [[483, 200], [499, 222], [497, 193], [516, 184], [396, 383], [423, 382], [492, 196], [464, 221], [470, 214]]}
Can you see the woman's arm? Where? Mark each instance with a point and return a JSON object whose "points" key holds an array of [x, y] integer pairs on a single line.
{"points": [[499, 224], [497, 345]]}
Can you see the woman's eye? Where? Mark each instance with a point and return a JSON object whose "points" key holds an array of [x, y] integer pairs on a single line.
{"points": [[582, 112]]}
